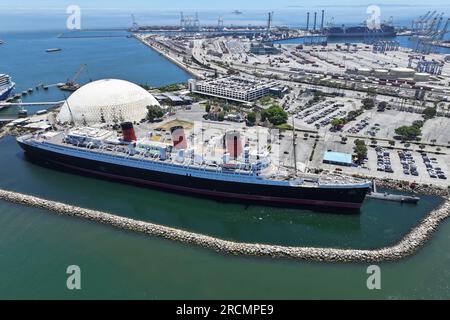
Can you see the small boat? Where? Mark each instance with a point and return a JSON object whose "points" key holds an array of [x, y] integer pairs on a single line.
{"points": [[23, 113], [30, 90], [69, 87], [53, 50], [45, 87], [391, 197], [24, 93]]}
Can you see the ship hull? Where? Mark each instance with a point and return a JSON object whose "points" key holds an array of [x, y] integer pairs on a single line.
{"points": [[361, 35], [6, 94], [345, 200]]}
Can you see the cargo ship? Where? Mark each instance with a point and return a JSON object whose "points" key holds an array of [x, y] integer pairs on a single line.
{"points": [[238, 174], [6, 87], [385, 30]]}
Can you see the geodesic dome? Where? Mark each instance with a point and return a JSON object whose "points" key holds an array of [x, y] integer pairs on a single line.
{"points": [[109, 101]]}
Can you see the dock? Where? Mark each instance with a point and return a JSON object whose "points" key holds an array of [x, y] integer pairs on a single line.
{"points": [[391, 197], [19, 104]]}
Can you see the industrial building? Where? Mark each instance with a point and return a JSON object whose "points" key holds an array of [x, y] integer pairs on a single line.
{"points": [[172, 99], [338, 158], [264, 49], [233, 88]]}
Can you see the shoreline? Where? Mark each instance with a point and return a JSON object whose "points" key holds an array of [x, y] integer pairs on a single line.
{"points": [[168, 57], [409, 245]]}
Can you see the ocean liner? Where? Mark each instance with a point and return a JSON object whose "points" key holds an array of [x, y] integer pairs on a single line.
{"points": [[6, 87], [237, 174]]}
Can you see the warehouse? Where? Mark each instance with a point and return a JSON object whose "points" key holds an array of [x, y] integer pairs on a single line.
{"points": [[338, 158]]}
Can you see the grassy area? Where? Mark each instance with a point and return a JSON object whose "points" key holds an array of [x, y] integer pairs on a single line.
{"points": [[284, 126], [171, 87], [175, 123]]}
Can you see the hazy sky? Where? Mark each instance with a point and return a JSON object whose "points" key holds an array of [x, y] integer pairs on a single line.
{"points": [[51, 14], [121, 5]]}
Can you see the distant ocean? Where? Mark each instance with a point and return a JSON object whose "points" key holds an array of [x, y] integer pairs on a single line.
{"points": [[294, 16]]}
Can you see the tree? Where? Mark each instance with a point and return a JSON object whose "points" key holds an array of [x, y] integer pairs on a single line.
{"points": [[368, 103], [353, 114], [337, 122], [276, 115], [382, 106], [429, 113], [102, 116], [154, 112], [208, 107], [392, 143], [418, 123], [360, 149], [84, 121], [408, 132], [251, 118], [221, 116]]}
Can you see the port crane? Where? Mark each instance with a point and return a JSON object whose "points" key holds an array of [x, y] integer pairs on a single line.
{"points": [[135, 25], [428, 32], [71, 84]]}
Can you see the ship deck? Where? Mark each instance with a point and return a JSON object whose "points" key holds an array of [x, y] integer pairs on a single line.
{"points": [[272, 173]]}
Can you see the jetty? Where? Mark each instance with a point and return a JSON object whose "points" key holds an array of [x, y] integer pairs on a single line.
{"points": [[408, 246], [152, 45]]}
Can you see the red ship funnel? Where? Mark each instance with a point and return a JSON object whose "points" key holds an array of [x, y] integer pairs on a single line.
{"points": [[233, 144], [128, 132], [178, 137]]}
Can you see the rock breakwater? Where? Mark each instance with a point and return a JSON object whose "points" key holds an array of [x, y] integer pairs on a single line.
{"points": [[410, 244]]}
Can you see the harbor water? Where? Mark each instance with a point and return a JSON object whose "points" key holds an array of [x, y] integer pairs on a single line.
{"points": [[36, 246], [24, 58]]}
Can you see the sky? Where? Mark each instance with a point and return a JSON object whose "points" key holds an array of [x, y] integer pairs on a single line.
{"points": [[51, 14], [121, 5]]}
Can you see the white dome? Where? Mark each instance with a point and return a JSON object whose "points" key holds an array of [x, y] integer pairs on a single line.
{"points": [[114, 99]]}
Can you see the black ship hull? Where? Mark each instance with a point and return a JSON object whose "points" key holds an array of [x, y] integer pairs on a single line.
{"points": [[345, 200], [384, 31], [362, 35]]}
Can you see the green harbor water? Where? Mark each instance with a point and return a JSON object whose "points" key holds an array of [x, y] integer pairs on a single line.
{"points": [[36, 246]]}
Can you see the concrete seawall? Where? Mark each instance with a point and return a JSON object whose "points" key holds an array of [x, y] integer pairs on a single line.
{"points": [[410, 244], [168, 57]]}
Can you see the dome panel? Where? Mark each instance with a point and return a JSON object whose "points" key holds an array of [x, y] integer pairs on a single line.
{"points": [[109, 99]]}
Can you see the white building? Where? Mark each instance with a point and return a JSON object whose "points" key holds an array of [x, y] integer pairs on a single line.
{"points": [[107, 100], [233, 88]]}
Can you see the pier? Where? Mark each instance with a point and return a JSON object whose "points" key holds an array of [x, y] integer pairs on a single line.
{"points": [[408, 246], [20, 104], [188, 69]]}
